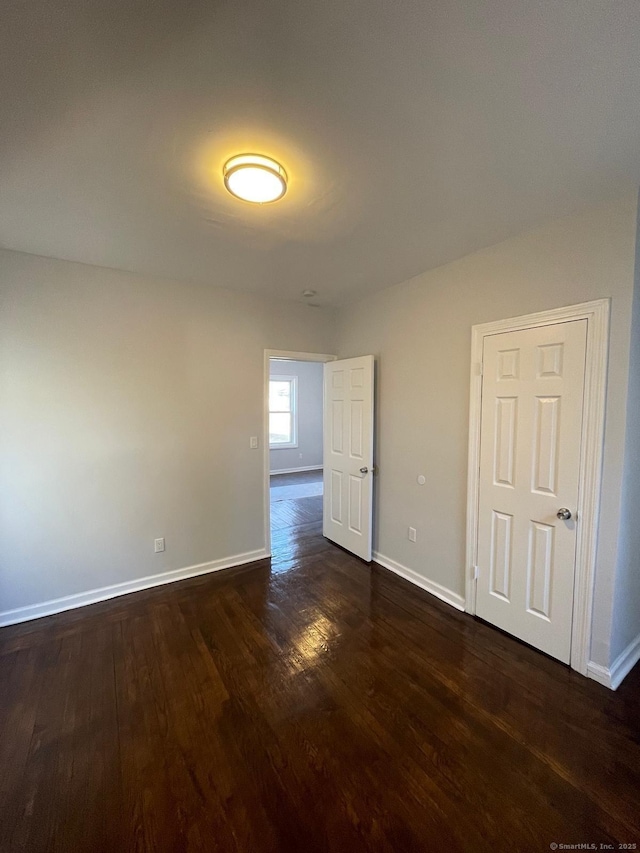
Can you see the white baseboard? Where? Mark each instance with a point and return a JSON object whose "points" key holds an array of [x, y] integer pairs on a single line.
{"points": [[624, 663], [70, 602], [295, 470], [613, 676], [599, 673], [434, 588]]}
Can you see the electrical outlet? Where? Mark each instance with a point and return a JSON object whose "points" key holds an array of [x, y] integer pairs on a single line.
{"points": [[158, 545], [412, 534]]}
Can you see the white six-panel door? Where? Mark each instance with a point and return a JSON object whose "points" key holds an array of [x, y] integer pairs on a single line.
{"points": [[532, 395], [348, 454]]}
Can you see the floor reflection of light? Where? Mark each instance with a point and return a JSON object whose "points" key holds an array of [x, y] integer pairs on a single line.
{"points": [[314, 640]]}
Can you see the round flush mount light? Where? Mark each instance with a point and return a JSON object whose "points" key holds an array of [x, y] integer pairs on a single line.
{"points": [[255, 178], [309, 294]]}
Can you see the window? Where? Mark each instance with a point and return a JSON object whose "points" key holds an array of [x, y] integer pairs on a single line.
{"points": [[283, 415]]}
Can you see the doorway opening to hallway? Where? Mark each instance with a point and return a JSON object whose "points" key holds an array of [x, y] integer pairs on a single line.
{"points": [[318, 440], [295, 403]]}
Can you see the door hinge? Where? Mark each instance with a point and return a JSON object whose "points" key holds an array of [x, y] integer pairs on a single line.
{"points": [[479, 368], [476, 572]]}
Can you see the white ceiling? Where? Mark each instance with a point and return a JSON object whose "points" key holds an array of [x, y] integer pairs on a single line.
{"points": [[413, 132]]}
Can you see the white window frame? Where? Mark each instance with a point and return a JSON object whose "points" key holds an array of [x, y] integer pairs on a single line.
{"points": [[294, 411]]}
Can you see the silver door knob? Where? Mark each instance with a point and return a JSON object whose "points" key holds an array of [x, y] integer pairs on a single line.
{"points": [[564, 514], [364, 470]]}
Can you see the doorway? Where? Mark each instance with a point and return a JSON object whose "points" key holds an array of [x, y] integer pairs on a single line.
{"points": [[293, 445], [535, 454], [329, 485]]}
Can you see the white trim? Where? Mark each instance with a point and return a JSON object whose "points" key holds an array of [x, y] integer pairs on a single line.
{"points": [[434, 588], [295, 470], [285, 355], [596, 314], [613, 676], [624, 663], [599, 673], [80, 599]]}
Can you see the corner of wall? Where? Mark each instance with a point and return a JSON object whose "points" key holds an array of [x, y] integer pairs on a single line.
{"points": [[625, 626]]}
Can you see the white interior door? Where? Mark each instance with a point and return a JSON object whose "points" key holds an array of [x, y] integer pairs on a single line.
{"points": [[348, 454], [532, 392]]}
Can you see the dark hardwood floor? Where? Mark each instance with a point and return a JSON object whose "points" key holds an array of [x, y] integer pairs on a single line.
{"points": [[310, 703]]}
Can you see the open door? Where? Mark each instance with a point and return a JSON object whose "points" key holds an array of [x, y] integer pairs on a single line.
{"points": [[348, 454]]}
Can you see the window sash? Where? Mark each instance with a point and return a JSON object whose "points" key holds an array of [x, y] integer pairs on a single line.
{"points": [[283, 405]]}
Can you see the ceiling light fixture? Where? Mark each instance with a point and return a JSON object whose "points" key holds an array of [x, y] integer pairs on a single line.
{"points": [[254, 178], [308, 294]]}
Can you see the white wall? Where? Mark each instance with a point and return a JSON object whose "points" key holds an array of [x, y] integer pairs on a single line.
{"points": [[420, 333], [119, 425], [626, 608], [308, 453], [123, 420]]}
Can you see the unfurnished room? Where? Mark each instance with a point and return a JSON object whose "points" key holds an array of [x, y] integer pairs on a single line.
{"points": [[319, 426]]}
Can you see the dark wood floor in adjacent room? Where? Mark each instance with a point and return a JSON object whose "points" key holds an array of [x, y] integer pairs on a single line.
{"points": [[307, 704]]}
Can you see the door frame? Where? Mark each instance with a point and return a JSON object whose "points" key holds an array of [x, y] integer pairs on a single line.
{"points": [[290, 356], [596, 313]]}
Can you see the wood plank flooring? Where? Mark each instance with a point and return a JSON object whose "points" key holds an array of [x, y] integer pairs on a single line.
{"points": [[310, 703], [293, 513]]}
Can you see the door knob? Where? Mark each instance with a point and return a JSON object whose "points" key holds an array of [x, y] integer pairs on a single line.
{"points": [[564, 514], [364, 470]]}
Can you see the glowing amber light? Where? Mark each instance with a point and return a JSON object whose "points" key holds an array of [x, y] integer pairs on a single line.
{"points": [[254, 178]]}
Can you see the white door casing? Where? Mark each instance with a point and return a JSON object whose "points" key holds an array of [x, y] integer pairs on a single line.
{"points": [[597, 315], [531, 426], [348, 454]]}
